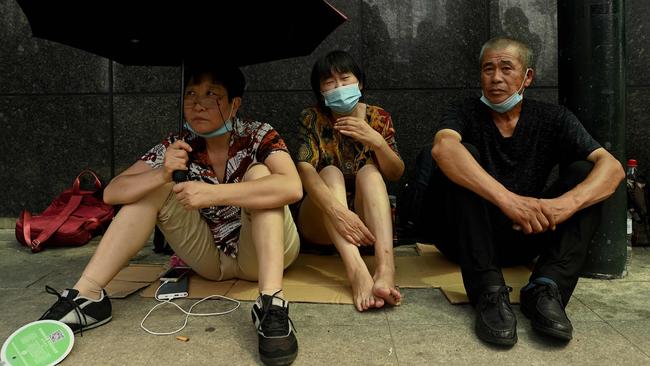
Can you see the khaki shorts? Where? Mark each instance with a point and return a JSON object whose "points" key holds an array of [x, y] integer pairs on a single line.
{"points": [[190, 237]]}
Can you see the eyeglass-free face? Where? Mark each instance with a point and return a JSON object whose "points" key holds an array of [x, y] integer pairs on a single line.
{"points": [[337, 79], [502, 73]]}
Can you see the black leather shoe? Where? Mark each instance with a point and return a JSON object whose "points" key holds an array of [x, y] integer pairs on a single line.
{"points": [[542, 304], [495, 321]]}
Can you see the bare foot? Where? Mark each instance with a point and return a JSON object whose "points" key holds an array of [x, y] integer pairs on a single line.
{"points": [[362, 290], [384, 287]]}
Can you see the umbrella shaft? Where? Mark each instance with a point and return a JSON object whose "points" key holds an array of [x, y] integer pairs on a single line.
{"points": [[180, 104]]}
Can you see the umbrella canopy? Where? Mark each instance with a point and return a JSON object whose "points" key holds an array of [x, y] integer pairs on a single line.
{"points": [[168, 33], [164, 33]]}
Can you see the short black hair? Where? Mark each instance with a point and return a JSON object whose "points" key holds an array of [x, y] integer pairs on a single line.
{"points": [[339, 61], [230, 77]]}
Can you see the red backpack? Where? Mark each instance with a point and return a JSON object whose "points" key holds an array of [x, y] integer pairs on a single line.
{"points": [[73, 218]]}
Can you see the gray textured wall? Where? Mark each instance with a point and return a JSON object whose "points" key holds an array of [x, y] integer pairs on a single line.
{"points": [[60, 106]]}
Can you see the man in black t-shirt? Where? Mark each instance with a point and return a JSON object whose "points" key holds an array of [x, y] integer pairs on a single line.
{"points": [[491, 206]]}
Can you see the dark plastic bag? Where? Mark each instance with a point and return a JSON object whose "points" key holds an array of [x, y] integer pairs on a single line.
{"points": [[639, 201], [410, 202]]}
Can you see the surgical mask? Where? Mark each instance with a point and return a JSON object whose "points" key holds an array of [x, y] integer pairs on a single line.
{"points": [[509, 103], [343, 99], [227, 127]]}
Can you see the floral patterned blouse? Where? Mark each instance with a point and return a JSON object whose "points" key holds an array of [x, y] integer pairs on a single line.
{"points": [[250, 142], [321, 145]]}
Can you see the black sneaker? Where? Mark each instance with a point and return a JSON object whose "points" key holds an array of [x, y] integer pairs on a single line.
{"points": [[542, 304], [78, 312], [495, 321], [277, 341]]}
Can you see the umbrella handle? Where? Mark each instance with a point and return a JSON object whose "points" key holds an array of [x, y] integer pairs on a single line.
{"points": [[179, 176]]}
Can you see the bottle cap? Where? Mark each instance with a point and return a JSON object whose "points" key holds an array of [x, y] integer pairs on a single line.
{"points": [[632, 163]]}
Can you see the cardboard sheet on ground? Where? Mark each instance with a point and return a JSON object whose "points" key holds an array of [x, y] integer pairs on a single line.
{"points": [[516, 277], [322, 279], [132, 278]]}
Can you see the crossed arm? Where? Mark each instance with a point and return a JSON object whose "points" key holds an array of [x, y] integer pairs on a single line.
{"points": [[280, 188], [532, 215]]}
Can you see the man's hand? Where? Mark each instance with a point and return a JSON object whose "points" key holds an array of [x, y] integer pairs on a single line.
{"points": [[560, 209], [176, 157], [358, 129], [529, 214], [350, 227], [194, 195]]}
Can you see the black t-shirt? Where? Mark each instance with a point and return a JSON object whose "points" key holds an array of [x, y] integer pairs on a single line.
{"points": [[545, 135]]}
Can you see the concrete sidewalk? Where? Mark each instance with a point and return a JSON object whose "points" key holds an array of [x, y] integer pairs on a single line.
{"points": [[611, 321]]}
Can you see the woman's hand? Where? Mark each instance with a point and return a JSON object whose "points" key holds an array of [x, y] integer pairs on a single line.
{"points": [[358, 129], [194, 195], [350, 227], [176, 158]]}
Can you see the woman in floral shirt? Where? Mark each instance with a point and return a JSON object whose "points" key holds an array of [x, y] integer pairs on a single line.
{"points": [[347, 148], [229, 220]]}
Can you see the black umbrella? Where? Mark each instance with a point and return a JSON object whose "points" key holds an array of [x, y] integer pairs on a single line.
{"points": [[163, 33], [167, 33]]}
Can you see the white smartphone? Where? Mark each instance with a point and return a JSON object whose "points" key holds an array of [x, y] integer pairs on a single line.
{"points": [[174, 274], [174, 290]]}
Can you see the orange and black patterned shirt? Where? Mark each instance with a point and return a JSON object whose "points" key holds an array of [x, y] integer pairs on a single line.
{"points": [[321, 145], [250, 142]]}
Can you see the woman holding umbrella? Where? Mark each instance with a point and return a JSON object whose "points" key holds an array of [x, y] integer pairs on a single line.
{"points": [[347, 148], [229, 220]]}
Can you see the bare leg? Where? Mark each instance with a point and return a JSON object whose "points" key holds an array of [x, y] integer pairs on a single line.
{"points": [[316, 228], [371, 203], [268, 238], [125, 236]]}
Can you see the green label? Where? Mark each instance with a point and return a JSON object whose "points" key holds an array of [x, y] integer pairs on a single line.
{"points": [[40, 343]]}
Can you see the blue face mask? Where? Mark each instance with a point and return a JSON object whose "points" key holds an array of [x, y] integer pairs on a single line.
{"points": [[343, 99], [227, 127], [509, 103]]}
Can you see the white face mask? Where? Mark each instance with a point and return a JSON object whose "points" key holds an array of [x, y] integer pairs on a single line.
{"points": [[509, 103]]}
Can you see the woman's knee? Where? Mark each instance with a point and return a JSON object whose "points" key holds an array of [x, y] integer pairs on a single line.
{"points": [[256, 171], [165, 202], [368, 171], [158, 196], [331, 175], [369, 177], [152, 203]]}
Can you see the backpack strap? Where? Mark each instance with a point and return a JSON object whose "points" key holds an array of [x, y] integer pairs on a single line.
{"points": [[55, 223], [77, 182], [26, 219]]}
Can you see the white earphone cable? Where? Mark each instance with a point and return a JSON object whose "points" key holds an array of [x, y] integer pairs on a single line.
{"points": [[187, 313]]}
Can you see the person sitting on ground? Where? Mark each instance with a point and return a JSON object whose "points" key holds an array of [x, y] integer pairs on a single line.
{"points": [[346, 149], [229, 220], [491, 206]]}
